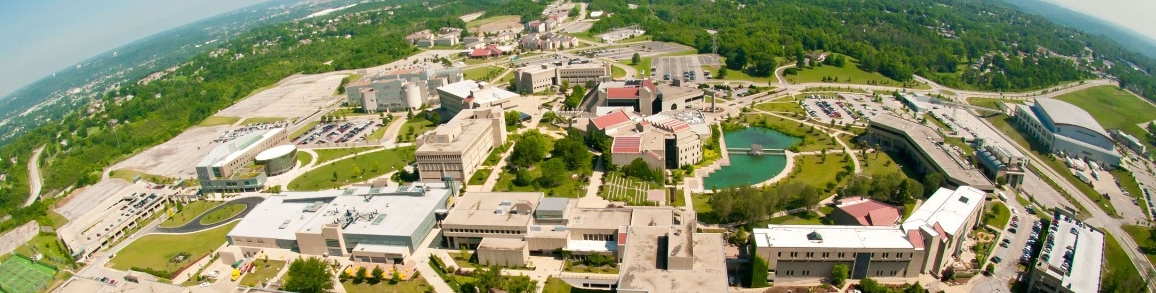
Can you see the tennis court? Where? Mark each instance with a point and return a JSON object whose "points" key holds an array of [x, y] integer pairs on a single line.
{"points": [[20, 275]]}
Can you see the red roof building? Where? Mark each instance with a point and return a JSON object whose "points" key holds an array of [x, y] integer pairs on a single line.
{"points": [[626, 145], [622, 93], [865, 212], [614, 118]]}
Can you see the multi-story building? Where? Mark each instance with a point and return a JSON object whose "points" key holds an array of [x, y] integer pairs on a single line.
{"points": [[646, 97], [1071, 259], [927, 241], [657, 246], [1067, 131], [1002, 164], [457, 148], [109, 222], [470, 94], [229, 167], [926, 148], [399, 90], [1129, 141], [371, 225], [532, 80], [662, 141], [547, 41]]}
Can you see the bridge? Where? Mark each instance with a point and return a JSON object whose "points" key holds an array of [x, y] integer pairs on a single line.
{"points": [[758, 151]]}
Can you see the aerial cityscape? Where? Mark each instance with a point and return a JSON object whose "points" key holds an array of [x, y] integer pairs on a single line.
{"points": [[591, 146]]}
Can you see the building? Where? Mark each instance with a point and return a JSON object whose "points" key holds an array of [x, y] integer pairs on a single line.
{"points": [[662, 258], [1071, 260], [861, 211], [230, 167], [1002, 164], [927, 241], [918, 103], [547, 41], [1129, 141], [278, 159], [399, 90], [532, 80], [457, 148], [645, 96], [423, 38], [1067, 131], [536, 26], [663, 141], [469, 94], [596, 14], [446, 40], [109, 222], [926, 148], [487, 52], [370, 225]]}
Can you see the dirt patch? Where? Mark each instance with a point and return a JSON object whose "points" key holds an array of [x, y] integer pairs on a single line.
{"points": [[295, 97], [177, 157]]}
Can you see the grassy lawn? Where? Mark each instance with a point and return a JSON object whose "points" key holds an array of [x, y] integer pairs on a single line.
{"points": [[790, 107], [849, 73], [128, 175], [189, 212], [619, 188], [54, 252], [555, 285], [641, 67], [617, 72], [303, 129], [878, 163], [379, 133], [576, 266], [413, 128], [262, 273], [1116, 261], [485, 73], [221, 214], [990, 102], [1143, 239], [464, 260], [806, 218], [833, 89], [568, 188], [325, 155], [417, 284], [813, 171], [157, 251], [304, 158], [997, 215], [1114, 108], [255, 120], [701, 202], [480, 176], [737, 75], [356, 169], [936, 121], [219, 120], [481, 21]]}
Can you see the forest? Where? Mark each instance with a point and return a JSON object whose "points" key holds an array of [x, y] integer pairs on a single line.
{"points": [[136, 116], [978, 45]]}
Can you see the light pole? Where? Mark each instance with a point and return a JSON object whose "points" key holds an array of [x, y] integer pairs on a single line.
{"points": [[112, 125]]}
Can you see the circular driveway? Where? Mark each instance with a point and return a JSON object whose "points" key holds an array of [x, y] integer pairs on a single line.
{"points": [[195, 224]]}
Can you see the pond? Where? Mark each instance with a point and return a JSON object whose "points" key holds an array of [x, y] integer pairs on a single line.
{"points": [[750, 170]]}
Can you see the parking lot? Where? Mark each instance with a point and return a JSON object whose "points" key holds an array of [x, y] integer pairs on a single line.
{"points": [[841, 109], [687, 68], [337, 132], [647, 49]]}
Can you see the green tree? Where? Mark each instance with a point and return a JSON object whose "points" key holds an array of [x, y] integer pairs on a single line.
{"points": [[553, 173], [839, 273], [759, 272], [360, 275], [530, 150], [722, 73], [512, 118], [376, 276], [572, 151], [395, 277], [931, 182], [520, 284], [635, 59], [309, 275]]}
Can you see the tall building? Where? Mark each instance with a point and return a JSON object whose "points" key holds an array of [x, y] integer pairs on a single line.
{"points": [[230, 166], [999, 162], [1066, 130], [399, 90], [532, 80], [668, 140], [646, 97], [457, 148], [929, 240]]}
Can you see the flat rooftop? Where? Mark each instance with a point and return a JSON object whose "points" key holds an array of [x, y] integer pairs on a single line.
{"points": [[1080, 272], [229, 151], [949, 208], [456, 135], [599, 218], [483, 93], [495, 243], [930, 143], [482, 208], [644, 265], [394, 210], [830, 236], [1064, 113]]}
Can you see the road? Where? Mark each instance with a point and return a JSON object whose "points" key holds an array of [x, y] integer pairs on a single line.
{"points": [[195, 225], [34, 182]]}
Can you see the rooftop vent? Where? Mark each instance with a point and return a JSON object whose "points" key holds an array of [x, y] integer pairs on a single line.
{"points": [[963, 199], [814, 236]]}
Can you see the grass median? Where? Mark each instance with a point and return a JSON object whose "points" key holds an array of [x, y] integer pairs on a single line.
{"points": [[159, 252], [355, 169], [189, 212]]}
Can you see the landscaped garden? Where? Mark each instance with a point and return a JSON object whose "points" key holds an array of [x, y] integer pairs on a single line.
{"points": [[164, 255]]}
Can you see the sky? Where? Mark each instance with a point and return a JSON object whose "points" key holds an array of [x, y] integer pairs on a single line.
{"points": [[39, 37], [1132, 14]]}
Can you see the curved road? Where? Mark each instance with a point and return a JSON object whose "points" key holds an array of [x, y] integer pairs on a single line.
{"points": [[34, 184], [196, 226]]}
